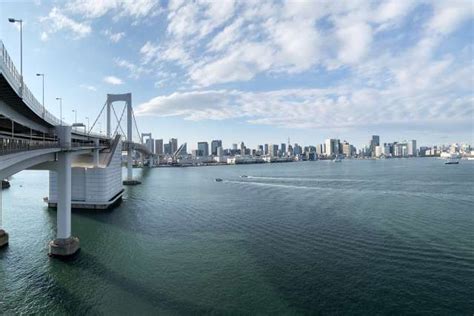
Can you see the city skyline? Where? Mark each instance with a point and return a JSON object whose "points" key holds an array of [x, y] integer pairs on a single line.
{"points": [[401, 69]]}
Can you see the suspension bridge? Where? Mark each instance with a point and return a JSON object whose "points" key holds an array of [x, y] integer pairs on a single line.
{"points": [[85, 167]]}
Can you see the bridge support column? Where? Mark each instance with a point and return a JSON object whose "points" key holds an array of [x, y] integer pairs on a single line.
{"points": [[3, 233], [64, 245]]}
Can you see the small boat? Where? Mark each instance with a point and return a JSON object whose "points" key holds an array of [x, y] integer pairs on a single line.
{"points": [[244, 176], [451, 162], [219, 180]]}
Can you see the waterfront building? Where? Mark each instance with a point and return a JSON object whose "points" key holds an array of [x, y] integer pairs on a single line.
{"points": [[167, 149], [411, 147], [159, 146], [150, 144], [347, 149], [283, 149], [290, 150], [234, 147], [332, 147], [374, 142], [174, 145], [204, 148], [266, 149], [297, 150], [220, 151], [378, 151], [242, 148], [214, 145], [196, 153]]}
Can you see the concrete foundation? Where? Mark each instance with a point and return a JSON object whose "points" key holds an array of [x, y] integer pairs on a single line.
{"points": [[131, 182], [3, 238], [63, 247]]}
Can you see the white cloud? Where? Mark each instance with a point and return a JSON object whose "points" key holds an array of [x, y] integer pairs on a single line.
{"points": [[355, 42], [88, 87], [113, 37], [56, 21], [113, 80], [97, 9]]}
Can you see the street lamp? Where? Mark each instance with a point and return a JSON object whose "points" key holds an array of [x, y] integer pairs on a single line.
{"points": [[60, 110], [42, 75], [12, 20], [87, 118], [75, 116]]}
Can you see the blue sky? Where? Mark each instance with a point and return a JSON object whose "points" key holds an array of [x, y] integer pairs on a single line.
{"points": [[257, 71]]}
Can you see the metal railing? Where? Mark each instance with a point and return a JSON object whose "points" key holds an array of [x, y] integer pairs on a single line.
{"points": [[14, 145], [14, 78]]}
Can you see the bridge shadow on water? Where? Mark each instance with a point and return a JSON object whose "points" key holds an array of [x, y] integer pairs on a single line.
{"points": [[87, 263]]}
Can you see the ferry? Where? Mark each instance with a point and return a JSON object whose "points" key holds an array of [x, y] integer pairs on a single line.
{"points": [[451, 161]]}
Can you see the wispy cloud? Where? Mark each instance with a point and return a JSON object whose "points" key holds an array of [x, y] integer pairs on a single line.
{"points": [[56, 21], [88, 87], [113, 37], [113, 80]]}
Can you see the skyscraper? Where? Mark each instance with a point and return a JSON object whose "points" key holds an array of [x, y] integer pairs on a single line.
{"points": [[167, 149], [159, 146], [174, 145], [214, 145], [283, 149], [332, 147], [204, 148], [374, 142], [242, 148], [412, 150]]}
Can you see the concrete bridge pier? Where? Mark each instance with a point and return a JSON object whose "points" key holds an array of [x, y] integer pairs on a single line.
{"points": [[3, 238], [64, 245], [3, 233]]}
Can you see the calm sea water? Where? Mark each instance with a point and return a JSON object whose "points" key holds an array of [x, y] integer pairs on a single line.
{"points": [[359, 237]]}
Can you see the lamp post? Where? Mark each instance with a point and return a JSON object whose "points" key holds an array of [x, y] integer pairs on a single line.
{"points": [[87, 118], [42, 76], [13, 20], [60, 110], [75, 116]]}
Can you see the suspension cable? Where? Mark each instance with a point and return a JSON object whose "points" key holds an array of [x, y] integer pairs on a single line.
{"points": [[136, 126], [119, 121], [103, 107]]}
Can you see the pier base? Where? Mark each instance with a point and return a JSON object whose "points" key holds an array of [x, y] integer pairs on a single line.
{"points": [[3, 238], [63, 247], [131, 182]]}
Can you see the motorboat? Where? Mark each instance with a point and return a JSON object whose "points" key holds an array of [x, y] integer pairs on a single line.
{"points": [[219, 180], [451, 161]]}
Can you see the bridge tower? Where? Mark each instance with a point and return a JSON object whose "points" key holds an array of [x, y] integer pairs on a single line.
{"points": [[127, 98]]}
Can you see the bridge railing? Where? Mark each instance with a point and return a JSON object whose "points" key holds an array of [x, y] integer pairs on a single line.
{"points": [[14, 78], [14, 145]]}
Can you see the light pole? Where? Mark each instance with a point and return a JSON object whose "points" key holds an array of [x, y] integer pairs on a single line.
{"points": [[13, 20], [87, 118], [60, 110], [42, 75], [75, 116]]}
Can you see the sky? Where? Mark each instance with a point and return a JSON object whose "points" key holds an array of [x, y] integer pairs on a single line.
{"points": [[256, 71]]}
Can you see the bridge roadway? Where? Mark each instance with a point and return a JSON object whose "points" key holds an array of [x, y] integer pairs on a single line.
{"points": [[33, 138]]}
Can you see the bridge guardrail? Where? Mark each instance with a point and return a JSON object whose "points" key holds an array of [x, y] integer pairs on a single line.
{"points": [[9, 70], [13, 145]]}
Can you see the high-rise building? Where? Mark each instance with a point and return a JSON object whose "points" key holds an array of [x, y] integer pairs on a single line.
{"points": [[174, 145], [220, 151], [242, 148], [283, 149], [234, 147], [159, 146], [412, 150], [214, 145], [332, 147], [204, 148], [150, 144], [273, 150], [266, 149], [167, 149], [347, 149], [374, 142]]}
